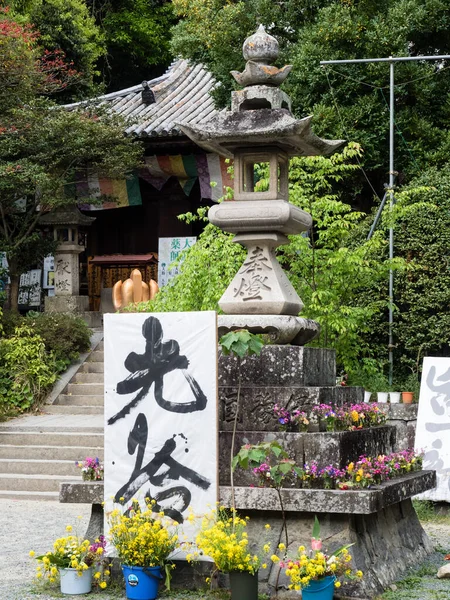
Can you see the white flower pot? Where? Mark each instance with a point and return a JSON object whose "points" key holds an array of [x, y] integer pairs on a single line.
{"points": [[367, 396], [382, 397], [74, 584], [394, 397]]}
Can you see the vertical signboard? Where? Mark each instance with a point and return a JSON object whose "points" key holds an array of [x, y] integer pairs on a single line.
{"points": [[168, 251], [161, 411], [433, 424]]}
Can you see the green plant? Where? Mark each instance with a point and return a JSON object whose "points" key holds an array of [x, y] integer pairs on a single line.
{"points": [[64, 335], [143, 538], [223, 537], [70, 552], [26, 371]]}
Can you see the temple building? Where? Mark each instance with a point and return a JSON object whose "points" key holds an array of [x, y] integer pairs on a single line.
{"points": [[176, 178]]}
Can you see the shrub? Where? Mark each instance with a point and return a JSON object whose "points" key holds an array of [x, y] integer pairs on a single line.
{"points": [[26, 370], [64, 335]]}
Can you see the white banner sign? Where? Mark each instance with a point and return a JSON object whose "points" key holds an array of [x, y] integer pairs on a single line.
{"points": [[30, 288], [433, 424], [161, 426], [168, 251]]}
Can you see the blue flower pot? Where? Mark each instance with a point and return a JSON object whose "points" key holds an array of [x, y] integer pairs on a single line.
{"points": [[322, 589], [142, 583]]}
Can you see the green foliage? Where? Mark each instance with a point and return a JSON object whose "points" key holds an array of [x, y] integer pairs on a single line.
{"points": [[206, 270], [241, 343], [329, 269], [136, 35], [68, 26], [64, 335], [212, 32], [26, 370], [252, 456], [33, 350], [422, 290]]}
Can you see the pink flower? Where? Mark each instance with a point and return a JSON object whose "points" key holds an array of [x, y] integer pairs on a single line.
{"points": [[316, 544]]}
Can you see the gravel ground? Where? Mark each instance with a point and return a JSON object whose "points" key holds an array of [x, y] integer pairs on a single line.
{"points": [[30, 525]]}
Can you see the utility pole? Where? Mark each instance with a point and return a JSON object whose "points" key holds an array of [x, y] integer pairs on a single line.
{"points": [[390, 191]]}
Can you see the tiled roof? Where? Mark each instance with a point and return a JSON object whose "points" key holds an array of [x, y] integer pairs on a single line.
{"points": [[181, 94]]}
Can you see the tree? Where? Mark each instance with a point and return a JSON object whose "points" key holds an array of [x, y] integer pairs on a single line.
{"points": [[66, 28], [42, 146], [355, 107], [422, 290], [136, 34]]}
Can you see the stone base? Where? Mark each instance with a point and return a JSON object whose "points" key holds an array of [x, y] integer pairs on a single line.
{"points": [[338, 448], [385, 543], [281, 329], [66, 304]]}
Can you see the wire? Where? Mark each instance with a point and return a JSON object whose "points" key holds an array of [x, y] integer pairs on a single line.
{"points": [[346, 133], [386, 87]]}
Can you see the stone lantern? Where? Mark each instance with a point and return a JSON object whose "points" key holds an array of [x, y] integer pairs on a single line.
{"points": [[69, 230], [261, 130]]}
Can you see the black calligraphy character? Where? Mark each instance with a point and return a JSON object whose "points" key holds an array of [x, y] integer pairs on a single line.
{"points": [[440, 399], [158, 359], [155, 473]]}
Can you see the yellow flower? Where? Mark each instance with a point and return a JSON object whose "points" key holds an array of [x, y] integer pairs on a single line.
{"points": [[267, 526], [69, 528], [266, 547], [264, 566], [281, 546], [32, 553], [337, 584], [102, 585], [359, 573], [97, 575], [274, 558]]}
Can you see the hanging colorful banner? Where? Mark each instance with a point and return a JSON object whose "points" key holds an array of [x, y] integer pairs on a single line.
{"points": [[118, 192], [209, 168]]}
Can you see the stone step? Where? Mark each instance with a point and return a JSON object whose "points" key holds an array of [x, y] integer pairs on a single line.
{"points": [[73, 409], [87, 378], [19, 495], [92, 367], [100, 346], [79, 400], [85, 389], [40, 467], [51, 438], [33, 483], [50, 453], [96, 356]]}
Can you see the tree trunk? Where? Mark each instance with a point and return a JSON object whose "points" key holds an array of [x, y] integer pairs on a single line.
{"points": [[14, 285]]}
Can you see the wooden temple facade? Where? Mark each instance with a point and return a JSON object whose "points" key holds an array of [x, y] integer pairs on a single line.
{"points": [[175, 179]]}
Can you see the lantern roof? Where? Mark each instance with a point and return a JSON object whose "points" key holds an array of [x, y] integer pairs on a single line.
{"points": [[66, 215]]}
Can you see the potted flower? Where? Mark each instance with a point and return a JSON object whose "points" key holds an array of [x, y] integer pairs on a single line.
{"points": [[72, 561], [223, 537], [144, 540], [91, 469], [315, 572]]}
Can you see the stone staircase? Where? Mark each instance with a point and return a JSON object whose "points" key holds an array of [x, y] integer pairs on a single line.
{"points": [[38, 452]]}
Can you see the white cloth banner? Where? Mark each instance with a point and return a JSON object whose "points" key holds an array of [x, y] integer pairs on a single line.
{"points": [[161, 425], [433, 424]]}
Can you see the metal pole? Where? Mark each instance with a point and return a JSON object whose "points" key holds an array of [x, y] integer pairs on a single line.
{"points": [[391, 230], [391, 60], [377, 216]]}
